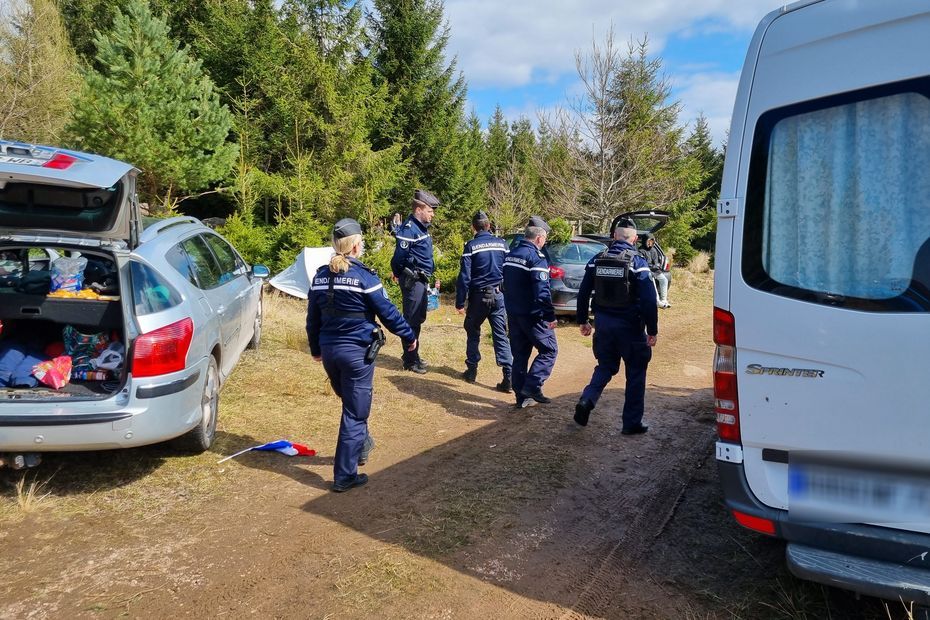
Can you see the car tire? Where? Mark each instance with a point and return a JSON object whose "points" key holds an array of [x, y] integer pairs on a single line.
{"points": [[256, 340], [200, 438]]}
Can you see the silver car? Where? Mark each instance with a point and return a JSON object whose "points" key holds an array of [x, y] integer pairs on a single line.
{"points": [[173, 298]]}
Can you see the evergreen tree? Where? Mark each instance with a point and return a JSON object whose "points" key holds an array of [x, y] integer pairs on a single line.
{"points": [[497, 145], [700, 147], [427, 95], [38, 75], [151, 104]]}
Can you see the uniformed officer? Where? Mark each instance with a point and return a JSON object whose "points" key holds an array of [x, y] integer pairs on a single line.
{"points": [[480, 276], [626, 320], [413, 267], [530, 315], [345, 297]]}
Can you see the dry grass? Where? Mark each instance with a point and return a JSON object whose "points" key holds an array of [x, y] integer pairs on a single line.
{"points": [[28, 497], [372, 582], [700, 263]]}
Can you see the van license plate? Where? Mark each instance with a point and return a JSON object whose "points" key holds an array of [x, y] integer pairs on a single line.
{"points": [[831, 493]]}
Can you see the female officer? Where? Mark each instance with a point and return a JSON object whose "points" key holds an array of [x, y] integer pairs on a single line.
{"points": [[345, 297]]}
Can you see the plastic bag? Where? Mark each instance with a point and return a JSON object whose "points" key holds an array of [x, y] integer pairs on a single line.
{"points": [[68, 274], [432, 299], [55, 373]]}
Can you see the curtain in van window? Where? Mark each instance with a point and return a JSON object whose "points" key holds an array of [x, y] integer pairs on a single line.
{"points": [[847, 202]]}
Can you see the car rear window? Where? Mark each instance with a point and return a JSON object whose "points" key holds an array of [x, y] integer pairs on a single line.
{"points": [[838, 203], [575, 253], [38, 206], [150, 292]]}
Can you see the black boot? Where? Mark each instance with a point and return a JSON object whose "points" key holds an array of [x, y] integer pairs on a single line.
{"points": [[583, 411], [505, 385], [471, 374]]}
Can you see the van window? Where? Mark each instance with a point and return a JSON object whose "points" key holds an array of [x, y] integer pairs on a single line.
{"points": [[838, 204], [150, 292]]}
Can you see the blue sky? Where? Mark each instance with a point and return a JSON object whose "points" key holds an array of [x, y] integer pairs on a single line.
{"points": [[520, 53]]}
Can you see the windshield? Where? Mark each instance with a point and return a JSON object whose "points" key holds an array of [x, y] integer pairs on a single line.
{"points": [[50, 207]]}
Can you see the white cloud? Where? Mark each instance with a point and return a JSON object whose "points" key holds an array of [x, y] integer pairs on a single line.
{"points": [[711, 94], [517, 42]]}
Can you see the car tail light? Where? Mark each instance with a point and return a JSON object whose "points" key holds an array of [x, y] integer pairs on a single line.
{"points": [[60, 161], [756, 524], [162, 351], [556, 273], [726, 401]]}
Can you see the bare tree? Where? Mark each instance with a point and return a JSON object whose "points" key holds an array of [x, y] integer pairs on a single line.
{"points": [[510, 204], [622, 133], [38, 71]]}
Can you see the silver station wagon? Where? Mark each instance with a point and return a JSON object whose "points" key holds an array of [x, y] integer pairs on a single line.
{"points": [[114, 334]]}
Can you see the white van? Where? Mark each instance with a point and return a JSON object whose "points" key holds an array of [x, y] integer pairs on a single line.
{"points": [[822, 294]]}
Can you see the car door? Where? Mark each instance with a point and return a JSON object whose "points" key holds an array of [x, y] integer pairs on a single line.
{"points": [[234, 274], [219, 296]]}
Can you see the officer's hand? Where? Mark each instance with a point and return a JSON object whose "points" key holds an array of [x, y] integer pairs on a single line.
{"points": [[552, 324], [651, 340], [393, 278], [460, 310], [318, 358], [412, 346], [586, 329]]}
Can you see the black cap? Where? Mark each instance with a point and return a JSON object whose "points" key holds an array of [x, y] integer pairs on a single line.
{"points": [[346, 227], [479, 218], [538, 222], [421, 195], [647, 236]]}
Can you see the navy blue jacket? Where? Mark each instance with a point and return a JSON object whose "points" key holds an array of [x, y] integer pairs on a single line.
{"points": [[481, 266], [526, 283], [643, 312], [414, 248], [357, 291]]}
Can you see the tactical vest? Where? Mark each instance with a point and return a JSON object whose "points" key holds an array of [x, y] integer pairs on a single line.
{"points": [[612, 282]]}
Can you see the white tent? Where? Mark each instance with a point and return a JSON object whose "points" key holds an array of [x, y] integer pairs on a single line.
{"points": [[295, 280]]}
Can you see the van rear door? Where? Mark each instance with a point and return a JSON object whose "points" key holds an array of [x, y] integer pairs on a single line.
{"points": [[830, 271]]}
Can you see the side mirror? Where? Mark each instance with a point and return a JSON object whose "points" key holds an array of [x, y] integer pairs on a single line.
{"points": [[261, 272]]}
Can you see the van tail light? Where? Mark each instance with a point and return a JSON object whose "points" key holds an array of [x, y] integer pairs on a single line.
{"points": [[756, 524], [60, 161], [162, 351], [726, 400], [556, 273]]}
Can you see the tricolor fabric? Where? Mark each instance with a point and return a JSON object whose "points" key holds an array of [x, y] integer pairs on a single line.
{"points": [[282, 445]]}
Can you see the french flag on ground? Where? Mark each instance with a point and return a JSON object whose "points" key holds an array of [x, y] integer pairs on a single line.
{"points": [[282, 445]]}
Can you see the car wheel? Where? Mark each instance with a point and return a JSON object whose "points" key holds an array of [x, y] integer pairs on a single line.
{"points": [[200, 438], [257, 330]]}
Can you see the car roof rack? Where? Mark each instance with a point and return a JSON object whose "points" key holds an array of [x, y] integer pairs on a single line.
{"points": [[153, 230]]}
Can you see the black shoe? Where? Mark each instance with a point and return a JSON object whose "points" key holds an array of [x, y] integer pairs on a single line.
{"points": [[583, 411], [471, 374], [635, 430], [366, 450], [505, 385], [416, 367], [539, 397], [360, 480]]}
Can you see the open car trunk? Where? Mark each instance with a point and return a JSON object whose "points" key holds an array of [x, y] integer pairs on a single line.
{"points": [[63, 335]]}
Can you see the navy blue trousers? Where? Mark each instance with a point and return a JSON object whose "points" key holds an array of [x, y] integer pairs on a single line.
{"points": [[528, 333], [615, 341], [477, 312], [414, 304], [351, 377]]}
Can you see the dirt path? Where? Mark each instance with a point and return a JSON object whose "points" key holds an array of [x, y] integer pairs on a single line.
{"points": [[474, 509]]}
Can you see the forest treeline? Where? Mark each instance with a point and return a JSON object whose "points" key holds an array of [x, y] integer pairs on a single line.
{"points": [[285, 116]]}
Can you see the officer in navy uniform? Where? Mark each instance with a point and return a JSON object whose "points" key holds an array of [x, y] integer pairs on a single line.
{"points": [[626, 324], [530, 315], [480, 276], [413, 267], [345, 297]]}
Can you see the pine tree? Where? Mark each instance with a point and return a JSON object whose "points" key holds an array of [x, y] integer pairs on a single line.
{"points": [[427, 95], [700, 147], [38, 73], [497, 145], [151, 104]]}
